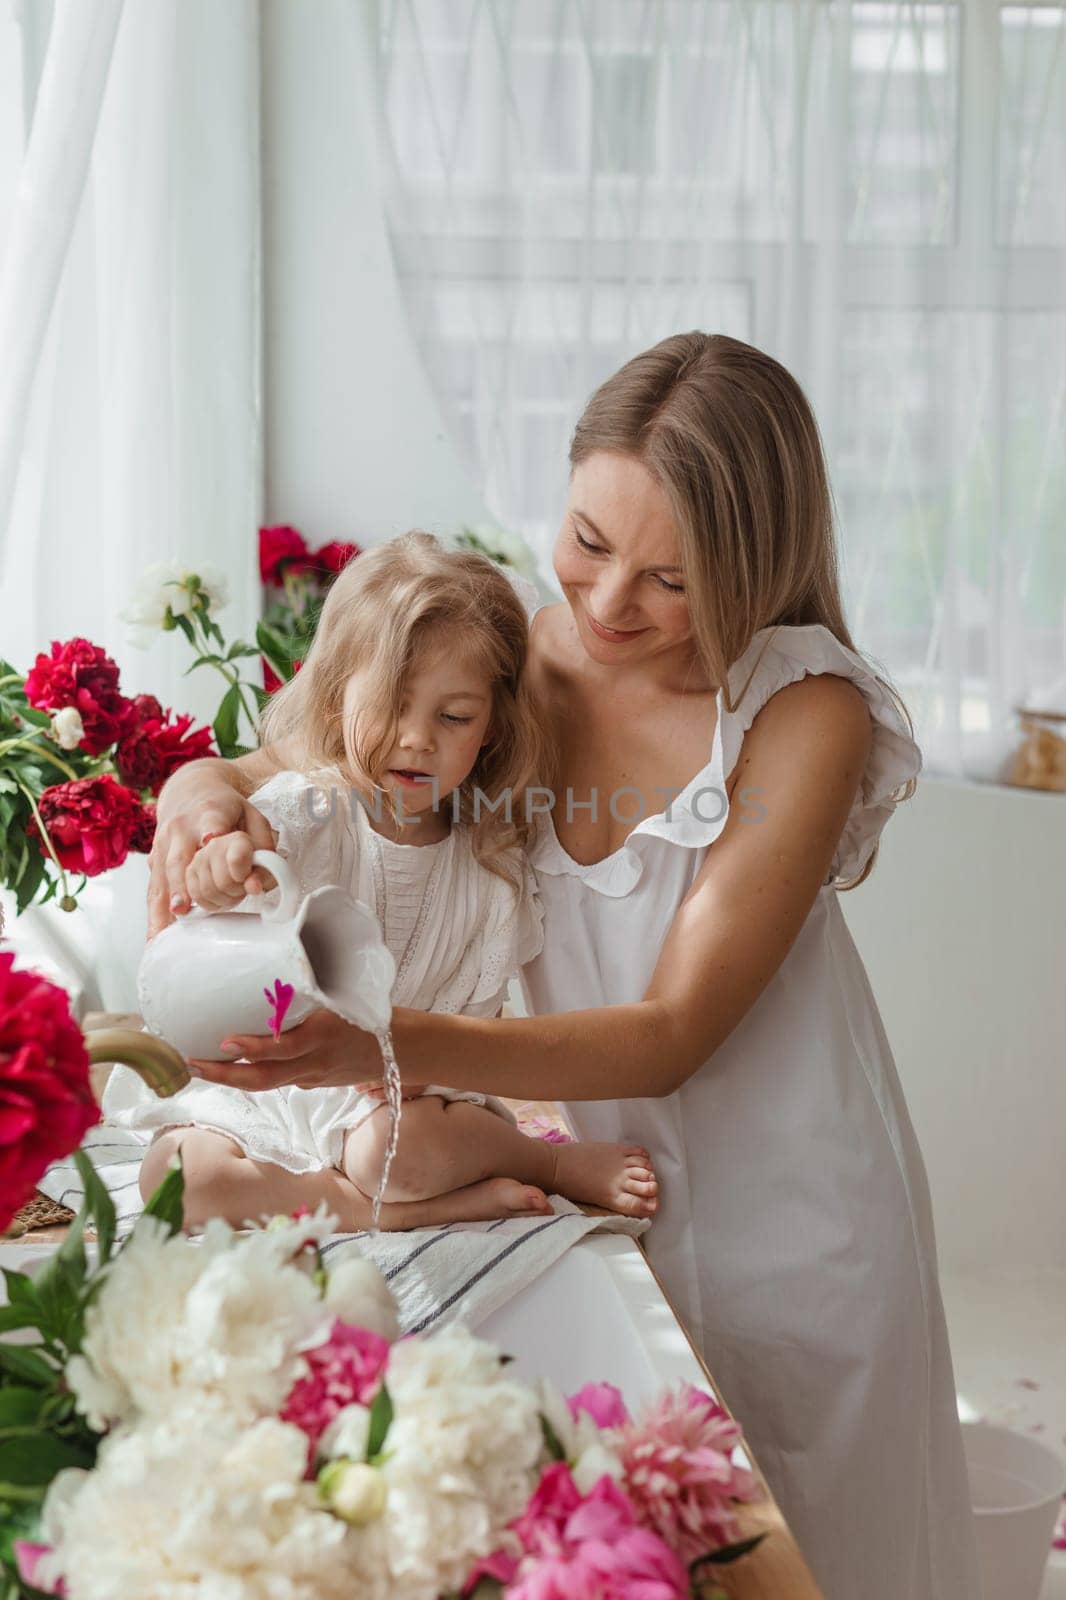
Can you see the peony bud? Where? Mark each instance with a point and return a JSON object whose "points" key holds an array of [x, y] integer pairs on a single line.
{"points": [[348, 1435], [353, 1491], [67, 728]]}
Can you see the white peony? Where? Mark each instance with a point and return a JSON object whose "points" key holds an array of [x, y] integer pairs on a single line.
{"points": [[67, 728], [358, 1294], [195, 1508], [505, 547], [221, 1318], [165, 585], [459, 1461], [588, 1448]]}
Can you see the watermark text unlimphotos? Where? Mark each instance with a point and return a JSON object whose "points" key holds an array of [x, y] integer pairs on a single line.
{"points": [[708, 804]]}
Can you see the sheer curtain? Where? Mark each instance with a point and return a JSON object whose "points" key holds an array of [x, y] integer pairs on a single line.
{"points": [[871, 191], [130, 410]]}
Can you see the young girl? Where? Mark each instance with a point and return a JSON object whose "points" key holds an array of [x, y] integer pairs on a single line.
{"points": [[410, 708]]}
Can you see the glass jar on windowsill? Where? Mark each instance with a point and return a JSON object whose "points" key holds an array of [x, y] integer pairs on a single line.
{"points": [[1040, 758]]}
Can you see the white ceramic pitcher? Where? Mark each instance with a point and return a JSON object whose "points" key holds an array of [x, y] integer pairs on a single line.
{"points": [[203, 979]]}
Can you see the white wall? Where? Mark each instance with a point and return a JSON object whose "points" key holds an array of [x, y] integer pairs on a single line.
{"points": [[346, 458], [963, 930]]}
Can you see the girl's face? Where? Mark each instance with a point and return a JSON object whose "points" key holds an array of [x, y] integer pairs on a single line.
{"points": [[445, 718], [618, 561]]}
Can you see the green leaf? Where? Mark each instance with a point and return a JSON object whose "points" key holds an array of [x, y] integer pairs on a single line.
{"points": [[19, 1317], [24, 1363], [19, 1405], [187, 629], [380, 1422], [551, 1440], [225, 724], [20, 1289], [277, 648], [98, 1204], [727, 1554], [167, 1203], [238, 650], [36, 1460]]}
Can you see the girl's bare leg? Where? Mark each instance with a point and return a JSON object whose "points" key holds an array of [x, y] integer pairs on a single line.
{"points": [[221, 1181], [446, 1145]]}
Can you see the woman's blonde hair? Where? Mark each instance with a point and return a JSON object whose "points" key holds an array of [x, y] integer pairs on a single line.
{"points": [[379, 614], [729, 435]]}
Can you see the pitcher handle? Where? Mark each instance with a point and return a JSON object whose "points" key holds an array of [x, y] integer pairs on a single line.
{"points": [[289, 901]]}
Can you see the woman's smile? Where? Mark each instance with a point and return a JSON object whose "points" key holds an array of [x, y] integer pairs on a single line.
{"points": [[612, 635]]}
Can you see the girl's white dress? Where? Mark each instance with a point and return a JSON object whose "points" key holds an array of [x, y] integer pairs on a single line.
{"points": [[794, 1233], [458, 933]]}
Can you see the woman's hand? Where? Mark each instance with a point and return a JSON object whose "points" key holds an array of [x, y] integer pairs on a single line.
{"points": [[322, 1052], [201, 801]]}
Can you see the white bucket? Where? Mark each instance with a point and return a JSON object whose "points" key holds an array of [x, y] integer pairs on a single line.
{"points": [[1016, 1487]]}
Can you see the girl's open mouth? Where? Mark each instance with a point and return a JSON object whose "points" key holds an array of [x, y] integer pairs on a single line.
{"points": [[413, 779]]}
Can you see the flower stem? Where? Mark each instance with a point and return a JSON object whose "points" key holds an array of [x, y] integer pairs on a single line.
{"points": [[47, 837], [26, 741], [10, 677]]}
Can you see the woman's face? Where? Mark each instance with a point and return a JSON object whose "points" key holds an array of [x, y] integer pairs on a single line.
{"points": [[618, 560]]}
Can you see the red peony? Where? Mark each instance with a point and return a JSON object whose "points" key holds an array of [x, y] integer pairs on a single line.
{"points": [[280, 549], [143, 835], [81, 675], [46, 1102], [271, 681], [334, 556], [91, 823], [146, 706], [158, 747]]}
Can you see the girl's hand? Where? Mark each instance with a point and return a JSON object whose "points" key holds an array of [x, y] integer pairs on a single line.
{"points": [[322, 1052], [220, 873]]}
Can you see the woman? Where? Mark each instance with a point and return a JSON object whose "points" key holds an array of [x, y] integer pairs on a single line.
{"points": [[726, 761]]}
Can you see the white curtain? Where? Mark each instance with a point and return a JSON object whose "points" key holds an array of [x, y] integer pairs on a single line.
{"points": [[871, 191], [130, 407], [130, 317]]}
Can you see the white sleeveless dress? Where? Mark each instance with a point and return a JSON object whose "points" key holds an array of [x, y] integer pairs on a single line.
{"points": [[458, 933], [794, 1233]]}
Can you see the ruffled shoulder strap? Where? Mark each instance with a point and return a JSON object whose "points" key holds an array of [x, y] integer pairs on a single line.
{"points": [[782, 655], [306, 814]]}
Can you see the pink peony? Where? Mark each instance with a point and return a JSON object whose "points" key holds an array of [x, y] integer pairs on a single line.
{"points": [[28, 1559], [574, 1548], [603, 1403], [346, 1370], [46, 1102], [679, 1471]]}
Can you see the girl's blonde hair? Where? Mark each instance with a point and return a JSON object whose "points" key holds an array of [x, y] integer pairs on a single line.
{"points": [[729, 435], [378, 615]]}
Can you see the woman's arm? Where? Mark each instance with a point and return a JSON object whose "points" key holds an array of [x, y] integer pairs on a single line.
{"points": [[203, 799], [805, 754]]}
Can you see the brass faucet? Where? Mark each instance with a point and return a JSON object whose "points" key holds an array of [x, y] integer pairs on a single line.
{"points": [[157, 1062]]}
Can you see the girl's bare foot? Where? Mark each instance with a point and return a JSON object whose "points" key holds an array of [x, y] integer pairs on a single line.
{"points": [[617, 1176]]}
